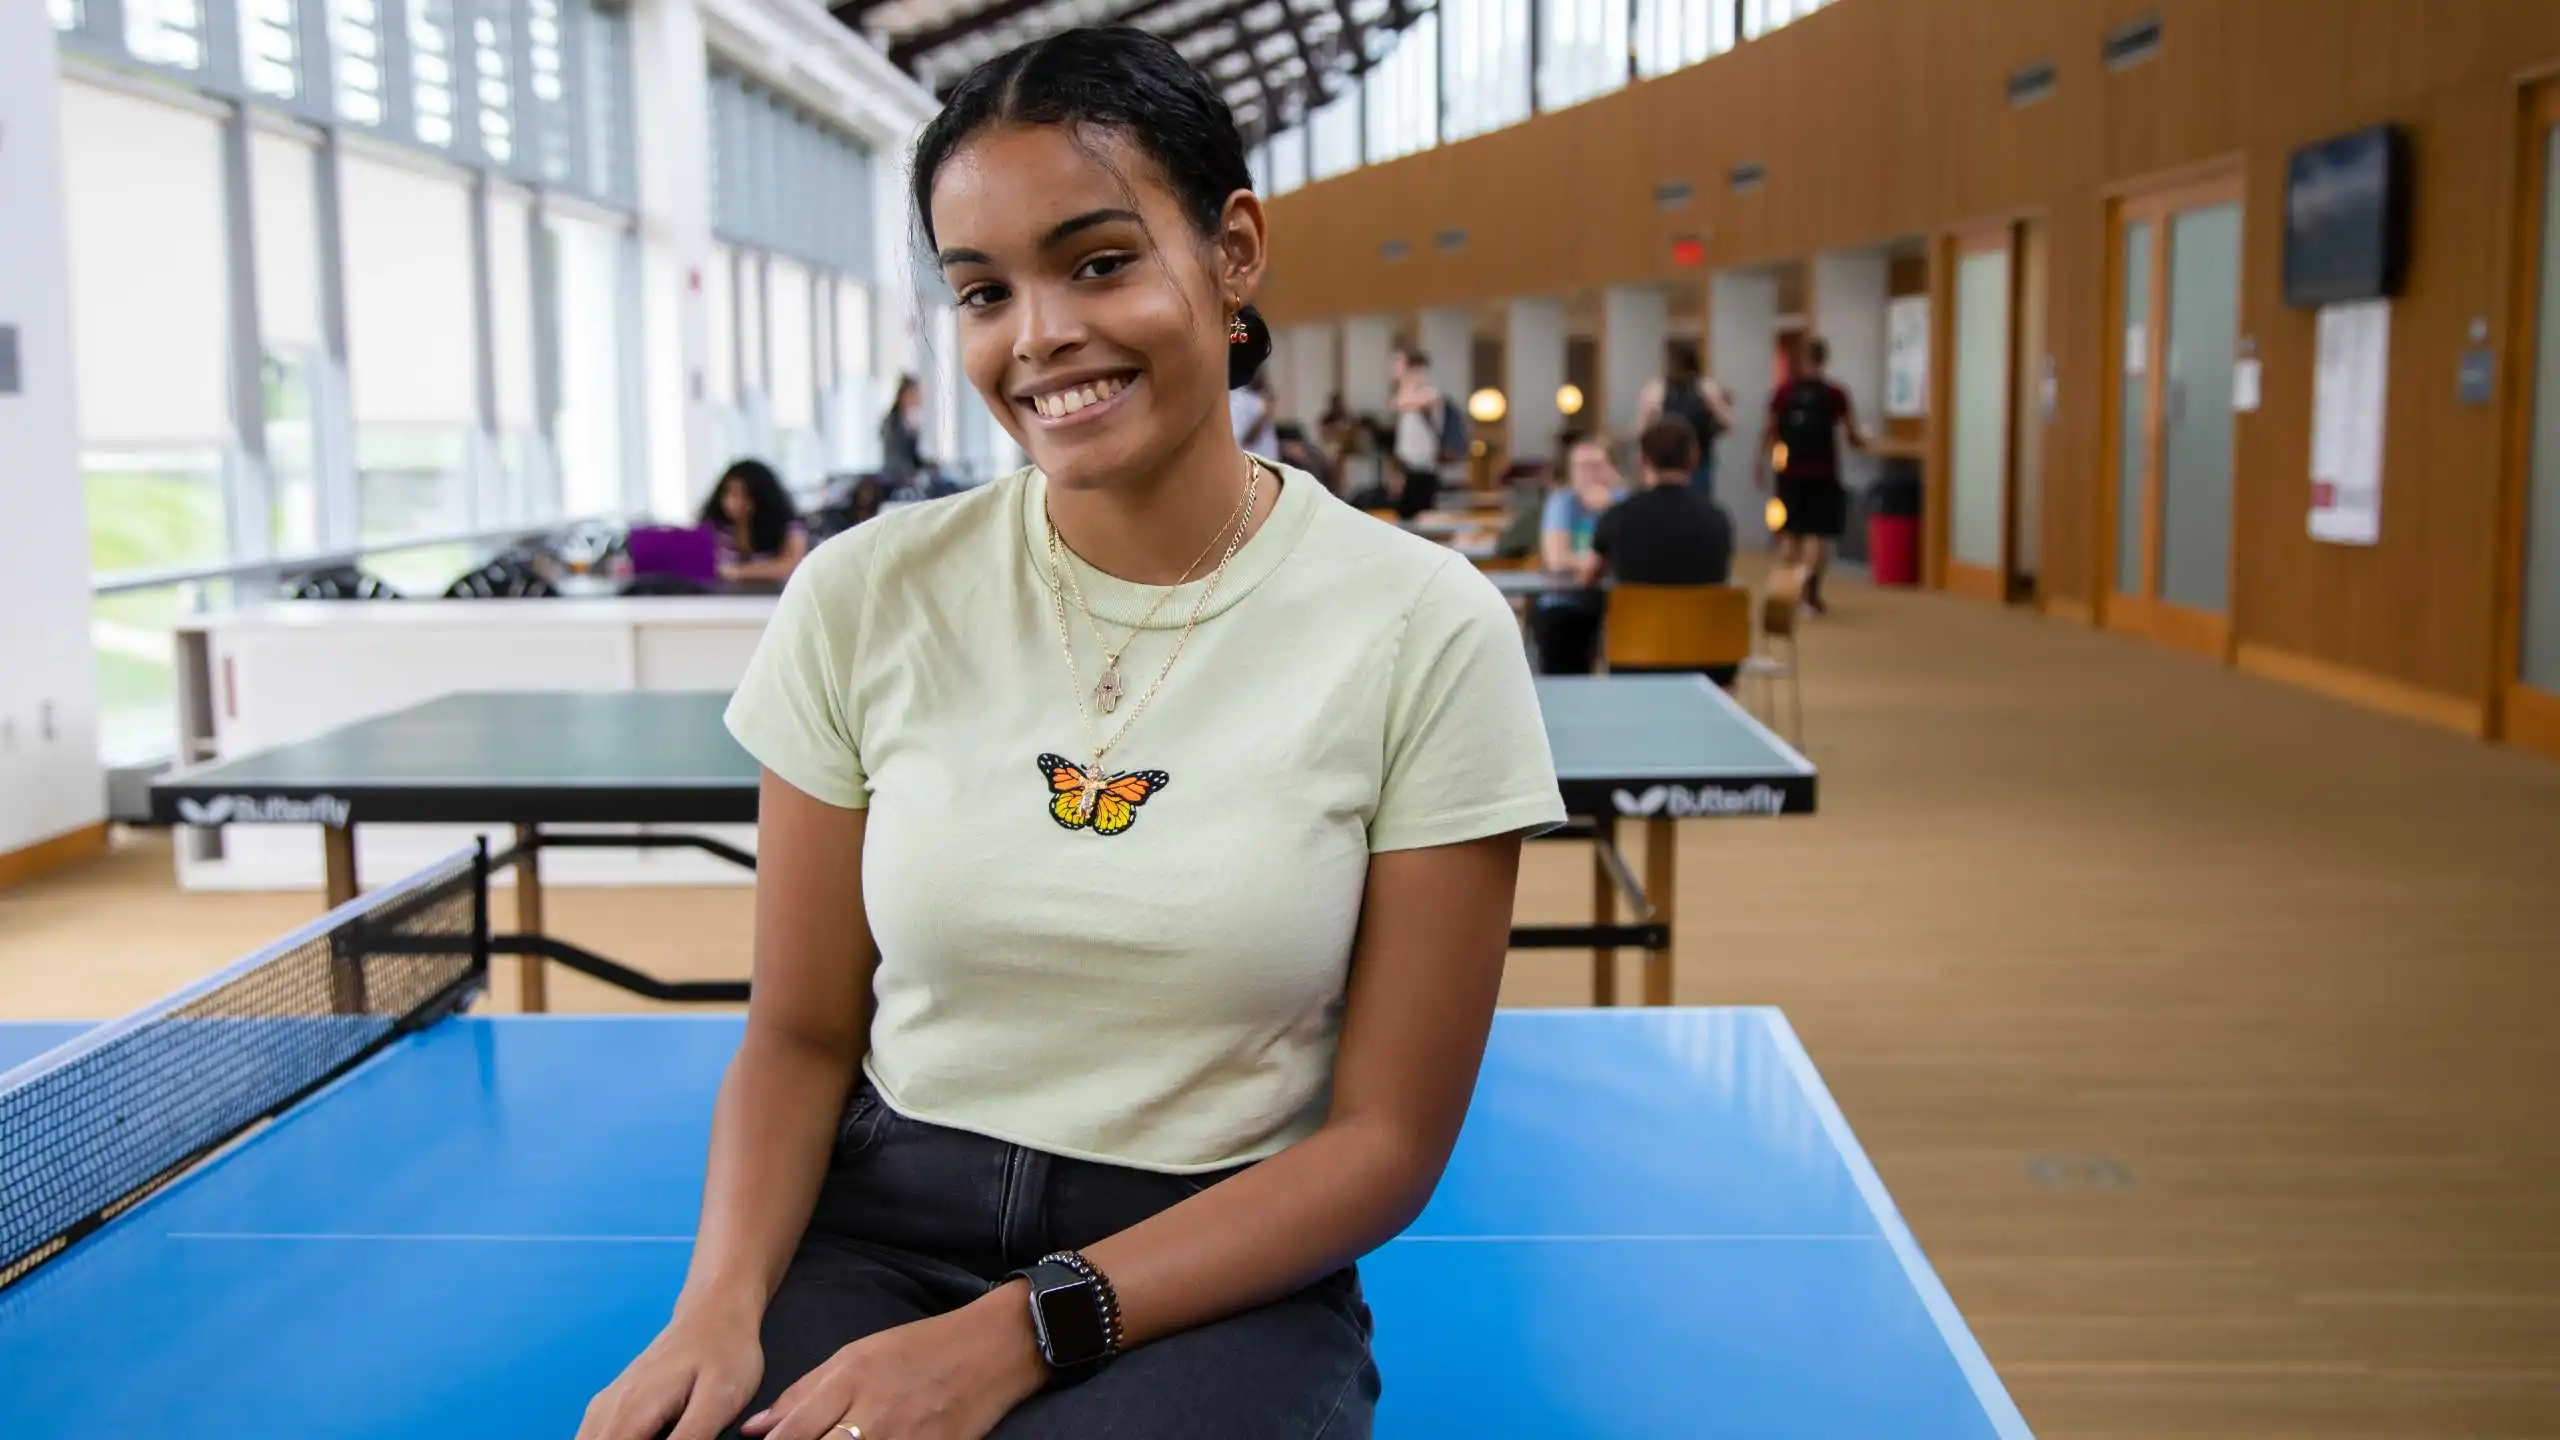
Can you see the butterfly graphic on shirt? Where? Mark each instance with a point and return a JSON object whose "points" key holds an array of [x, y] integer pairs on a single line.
{"points": [[1115, 800]]}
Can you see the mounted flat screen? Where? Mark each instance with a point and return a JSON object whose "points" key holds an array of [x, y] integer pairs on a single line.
{"points": [[2346, 218]]}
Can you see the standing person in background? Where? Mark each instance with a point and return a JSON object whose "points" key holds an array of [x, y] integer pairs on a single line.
{"points": [[1688, 394], [1566, 623], [902, 457], [761, 537], [1807, 415], [1249, 415], [1425, 429]]}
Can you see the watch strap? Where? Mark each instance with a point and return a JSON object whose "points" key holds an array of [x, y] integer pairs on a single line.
{"points": [[1058, 1270]]}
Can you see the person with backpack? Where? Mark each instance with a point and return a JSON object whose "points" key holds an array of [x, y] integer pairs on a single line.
{"points": [[1807, 415], [1687, 393], [1428, 437]]}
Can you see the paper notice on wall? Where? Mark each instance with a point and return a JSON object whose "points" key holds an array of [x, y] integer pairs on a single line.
{"points": [[2347, 389], [1906, 358]]}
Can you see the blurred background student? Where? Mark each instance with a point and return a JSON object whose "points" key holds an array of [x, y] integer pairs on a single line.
{"points": [[1671, 532], [761, 537], [1566, 623], [1687, 393], [902, 457]]}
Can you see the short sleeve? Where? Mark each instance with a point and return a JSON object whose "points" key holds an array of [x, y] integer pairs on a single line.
{"points": [[1467, 752], [792, 712], [1558, 514]]}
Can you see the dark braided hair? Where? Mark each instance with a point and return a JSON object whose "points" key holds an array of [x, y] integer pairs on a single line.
{"points": [[1117, 79]]}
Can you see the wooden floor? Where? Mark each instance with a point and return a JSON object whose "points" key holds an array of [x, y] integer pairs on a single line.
{"points": [[2203, 1029]]}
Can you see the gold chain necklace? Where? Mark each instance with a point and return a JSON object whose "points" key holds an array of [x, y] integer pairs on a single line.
{"points": [[1107, 689], [1061, 575]]}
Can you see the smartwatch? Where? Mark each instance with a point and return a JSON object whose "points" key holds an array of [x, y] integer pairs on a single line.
{"points": [[1075, 1315]]}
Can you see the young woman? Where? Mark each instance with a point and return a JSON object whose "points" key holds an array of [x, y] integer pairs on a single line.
{"points": [[1138, 842], [761, 537], [1566, 623], [902, 457]]}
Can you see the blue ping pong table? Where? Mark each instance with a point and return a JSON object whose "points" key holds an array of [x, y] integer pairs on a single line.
{"points": [[1656, 1224]]}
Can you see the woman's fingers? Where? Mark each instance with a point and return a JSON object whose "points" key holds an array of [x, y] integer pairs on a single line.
{"points": [[714, 1402], [632, 1408], [817, 1411]]}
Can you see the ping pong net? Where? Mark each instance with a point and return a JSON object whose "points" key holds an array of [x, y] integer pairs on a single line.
{"points": [[90, 1128]]}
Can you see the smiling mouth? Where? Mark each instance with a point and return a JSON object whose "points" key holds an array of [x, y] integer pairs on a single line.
{"points": [[1076, 400]]}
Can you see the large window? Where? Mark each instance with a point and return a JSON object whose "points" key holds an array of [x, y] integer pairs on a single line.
{"points": [[1404, 93], [283, 188], [1583, 51], [1486, 84], [411, 348], [149, 309], [1288, 160], [1334, 136], [591, 259]]}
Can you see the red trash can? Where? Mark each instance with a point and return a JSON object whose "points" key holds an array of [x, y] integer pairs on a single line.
{"points": [[1893, 549]]}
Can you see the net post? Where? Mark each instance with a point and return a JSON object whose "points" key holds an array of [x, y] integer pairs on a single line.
{"points": [[480, 911]]}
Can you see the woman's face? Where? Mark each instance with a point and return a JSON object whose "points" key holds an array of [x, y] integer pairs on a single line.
{"points": [[1594, 478], [1095, 331], [735, 502]]}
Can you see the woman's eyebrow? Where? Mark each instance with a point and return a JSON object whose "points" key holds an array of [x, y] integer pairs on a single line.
{"points": [[1050, 239]]}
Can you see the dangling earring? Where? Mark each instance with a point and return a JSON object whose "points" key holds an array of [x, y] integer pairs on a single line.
{"points": [[1237, 332]]}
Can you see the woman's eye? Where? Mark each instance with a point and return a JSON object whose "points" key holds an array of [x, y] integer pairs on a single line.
{"points": [[979, 297], [1102, 266]]}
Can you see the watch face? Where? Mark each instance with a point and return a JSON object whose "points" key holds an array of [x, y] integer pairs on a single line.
{"points": [[1071, 1323]]}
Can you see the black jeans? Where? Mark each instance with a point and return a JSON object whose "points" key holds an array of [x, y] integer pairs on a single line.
{"points": [[915, 1219]]}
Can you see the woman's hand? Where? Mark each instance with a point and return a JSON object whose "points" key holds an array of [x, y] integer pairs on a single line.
{"points": [[697, 1375], [948, 1378]]}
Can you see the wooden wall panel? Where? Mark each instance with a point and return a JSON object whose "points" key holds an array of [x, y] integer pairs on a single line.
{"points": [[1884, 119]]}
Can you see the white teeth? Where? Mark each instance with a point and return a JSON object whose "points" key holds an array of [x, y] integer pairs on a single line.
{"points": [[1063, 403]]}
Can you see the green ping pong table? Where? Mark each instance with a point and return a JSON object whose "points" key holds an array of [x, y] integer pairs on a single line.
{"points": [[1652, 749]]}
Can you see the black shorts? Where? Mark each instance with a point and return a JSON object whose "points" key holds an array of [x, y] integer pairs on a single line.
{"points": [[914, 1219], [1817, 505]]}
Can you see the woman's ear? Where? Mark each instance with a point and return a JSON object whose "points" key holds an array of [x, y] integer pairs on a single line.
{"points": [[1243, 246]]}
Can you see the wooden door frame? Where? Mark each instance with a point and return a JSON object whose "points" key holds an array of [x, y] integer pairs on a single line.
{"points": [[1975, 581], [2519, 713], [2145, 613]]}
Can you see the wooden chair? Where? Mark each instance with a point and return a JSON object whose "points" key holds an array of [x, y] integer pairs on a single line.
{"points": [[1779, 610], [1677, 627]]}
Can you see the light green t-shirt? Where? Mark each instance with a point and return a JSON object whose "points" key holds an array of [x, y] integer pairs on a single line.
{"points": [[1167, 996]]}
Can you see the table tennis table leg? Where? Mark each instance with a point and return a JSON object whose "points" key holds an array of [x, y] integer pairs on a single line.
{"points": [[532, 989], [338, 863], [1661, 881], [1604, 909]]}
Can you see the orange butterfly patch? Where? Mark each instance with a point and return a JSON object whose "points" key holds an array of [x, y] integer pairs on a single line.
{"points": [[1079, 800]]}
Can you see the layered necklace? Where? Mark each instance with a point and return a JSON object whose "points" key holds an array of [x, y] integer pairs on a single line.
{"points": [[1107, 690]]}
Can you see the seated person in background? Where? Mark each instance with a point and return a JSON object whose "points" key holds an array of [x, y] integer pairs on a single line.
{"points": [[1566, 623], [1295, 449], [1672, 532], [761, 537]]}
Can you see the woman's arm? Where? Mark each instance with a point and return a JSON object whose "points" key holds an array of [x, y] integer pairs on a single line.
{"points": [[1719, 404], [795, 548], [772, 1127]]}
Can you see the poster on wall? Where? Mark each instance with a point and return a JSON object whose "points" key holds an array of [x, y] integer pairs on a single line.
{"points": [[1906, 357], [2347, 396]]}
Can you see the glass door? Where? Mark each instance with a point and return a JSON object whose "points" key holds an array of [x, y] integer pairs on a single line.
{"points": [[1978, 442], [2532, 699], [2176, 300]]}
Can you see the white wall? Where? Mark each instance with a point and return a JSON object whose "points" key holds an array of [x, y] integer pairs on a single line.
{"points": [[1634, 325], [50, 781], [1533, 370], [1366, 341], [1306, 377], [1742, 336], [1849, 293], [1447, 336]]}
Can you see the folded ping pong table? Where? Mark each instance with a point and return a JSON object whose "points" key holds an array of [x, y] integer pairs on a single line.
{"points": [[1653, 749], [1656, 1223]]}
